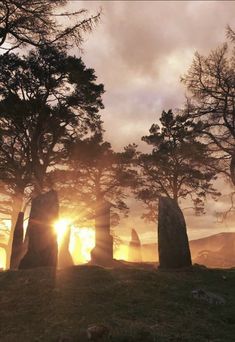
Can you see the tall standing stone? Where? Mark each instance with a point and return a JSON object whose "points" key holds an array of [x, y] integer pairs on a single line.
{"points": [[102, 253], [65, 259], [134, 247], [42, 241], [17, 244], [173, 245]]}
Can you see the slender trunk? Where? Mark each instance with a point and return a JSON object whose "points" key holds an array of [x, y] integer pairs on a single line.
{"points": [[39, 183], [98, 197], [175, 188], [175, 194], [232, 168], [176, 198], [98, 201]]}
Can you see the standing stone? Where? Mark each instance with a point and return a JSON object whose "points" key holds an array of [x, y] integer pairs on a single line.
{"points": [[42, 242], [17, 244], [134, 254], [173, 245], [65, 259], [102, 253]]}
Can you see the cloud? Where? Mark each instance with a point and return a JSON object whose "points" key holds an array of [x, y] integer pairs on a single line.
{"points": [[139, 50]]}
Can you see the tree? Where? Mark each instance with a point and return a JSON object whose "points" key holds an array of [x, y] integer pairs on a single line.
{"points": [[30, 22], [211, 83], [177, 167], [47, 98], [229, 213], [96, 173]]}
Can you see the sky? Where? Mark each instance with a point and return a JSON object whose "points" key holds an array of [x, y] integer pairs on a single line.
{"points": [[139, 51]]}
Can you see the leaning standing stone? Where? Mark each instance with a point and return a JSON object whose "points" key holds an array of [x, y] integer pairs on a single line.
{"points": [[42, 242], [17, 244], [65, 258], [173, 245]]}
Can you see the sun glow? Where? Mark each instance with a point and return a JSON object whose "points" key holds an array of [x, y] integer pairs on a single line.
{"points": [[82, 240], [61, 227], [121, 253], [2, 259]]}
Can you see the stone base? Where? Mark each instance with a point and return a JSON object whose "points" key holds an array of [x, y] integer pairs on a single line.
{"points": [[65, 259], [102, 254], [44, 258], [42, 242]]}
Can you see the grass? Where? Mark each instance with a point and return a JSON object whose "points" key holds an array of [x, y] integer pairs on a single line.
{"points": [[136, 304]]}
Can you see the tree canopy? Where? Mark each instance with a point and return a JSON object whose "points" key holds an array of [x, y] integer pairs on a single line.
{"points": [[96, 173], [211, 84], [43, 104], [177, 167], [30, 22]]}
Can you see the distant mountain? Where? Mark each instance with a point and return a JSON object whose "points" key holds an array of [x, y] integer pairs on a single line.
{"points": [[213, 251]]}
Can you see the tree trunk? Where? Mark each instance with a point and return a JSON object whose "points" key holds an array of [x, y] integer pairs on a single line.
{"points": [[102, 253], [232, 168]]}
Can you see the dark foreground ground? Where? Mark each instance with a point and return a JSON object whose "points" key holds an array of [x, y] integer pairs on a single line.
{"points": [[136, 304]]}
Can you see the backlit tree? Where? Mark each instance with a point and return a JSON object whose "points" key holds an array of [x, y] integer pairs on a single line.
{"points": [[36, 23], [177, 167], [211, 85], [47, 98]]}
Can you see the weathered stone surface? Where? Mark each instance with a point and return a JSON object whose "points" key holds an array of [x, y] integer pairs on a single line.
{"points": [[17, 244], [97, 332], [173, 245], [102, 253], [208, 297], [65, 259], [42, 243], [134, 254]]}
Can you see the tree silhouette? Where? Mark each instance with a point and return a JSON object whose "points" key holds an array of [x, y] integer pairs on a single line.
{"points": [[177, 167], [211, 83], [30, 22], [47, 98], [96, 173]]}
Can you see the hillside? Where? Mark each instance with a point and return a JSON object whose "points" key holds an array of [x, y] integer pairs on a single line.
{"points": [[219, 247], [213, 242], [136, 304]]}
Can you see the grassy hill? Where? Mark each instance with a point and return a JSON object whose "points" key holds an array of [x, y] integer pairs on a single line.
{"points": [[136, 304]]}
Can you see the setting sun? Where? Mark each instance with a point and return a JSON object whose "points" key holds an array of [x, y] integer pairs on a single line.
{"points": [[117, 170]]}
